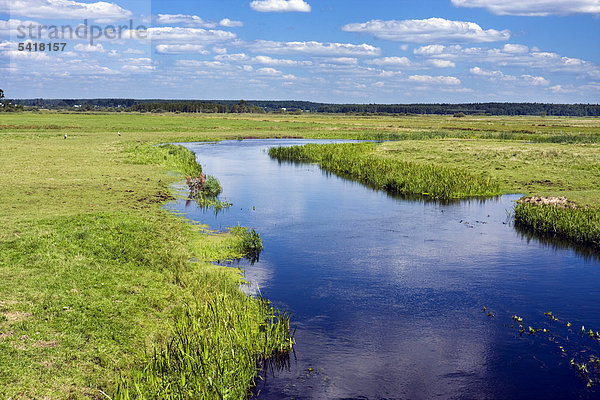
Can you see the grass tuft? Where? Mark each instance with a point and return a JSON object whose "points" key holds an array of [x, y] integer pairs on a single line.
{"points": [[579, 225]]}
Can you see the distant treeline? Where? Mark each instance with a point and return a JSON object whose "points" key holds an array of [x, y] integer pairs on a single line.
{"points": [[257, 106]]}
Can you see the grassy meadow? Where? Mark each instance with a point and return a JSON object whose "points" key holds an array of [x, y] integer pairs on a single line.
{"points": [[97, 292]]}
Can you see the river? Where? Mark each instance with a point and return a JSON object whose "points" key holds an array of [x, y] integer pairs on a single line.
{"points": [[388, 294]]}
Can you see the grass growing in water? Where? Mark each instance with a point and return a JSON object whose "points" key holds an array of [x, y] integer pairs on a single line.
{"points": [[580, 225], [213, 350], [360, 162], [212, 187]]}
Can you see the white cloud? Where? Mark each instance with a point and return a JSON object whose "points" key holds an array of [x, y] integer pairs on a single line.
{"points": [[181, 49], [534, 7], [189, 20], [441, 63], [189, 35], [436, 80], [137, 68], [100, 11], [388, 74], [515, 49], [232, 57], [194, 21], [343, 60], [280, 6], [202, 64], [535, 80], [10, 27], [391, 61], [428, 30], [28, 55], [562, 89], [500, 76], [512, 55], [88, 48], [269, 72], [133, 51], [266, 60], [226, 22], [493, 75], [430, 50], [314, 48]]}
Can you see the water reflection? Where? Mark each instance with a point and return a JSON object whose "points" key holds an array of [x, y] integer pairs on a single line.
{"points": [[387, 293]]}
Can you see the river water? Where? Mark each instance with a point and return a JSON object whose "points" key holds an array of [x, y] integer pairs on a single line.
{"points": [[388, 294]]}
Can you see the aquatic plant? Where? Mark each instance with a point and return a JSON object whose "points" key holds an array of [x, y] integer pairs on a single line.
{"points": [[358, 161], [251, 242], [212, 187]]}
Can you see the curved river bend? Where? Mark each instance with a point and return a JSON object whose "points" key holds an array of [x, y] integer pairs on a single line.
{"points": [[388, 294]]}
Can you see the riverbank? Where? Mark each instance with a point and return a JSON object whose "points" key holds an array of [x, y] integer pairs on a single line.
{"points": [[97, 282]]}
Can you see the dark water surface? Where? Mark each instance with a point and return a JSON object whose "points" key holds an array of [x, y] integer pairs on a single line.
{"points": [[388, 294]]}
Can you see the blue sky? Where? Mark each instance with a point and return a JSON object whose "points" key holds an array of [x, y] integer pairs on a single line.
{"points": [[344, 51]]}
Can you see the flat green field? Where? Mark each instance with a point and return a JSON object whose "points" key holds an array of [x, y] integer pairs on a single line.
{"points": [[93, 274]]}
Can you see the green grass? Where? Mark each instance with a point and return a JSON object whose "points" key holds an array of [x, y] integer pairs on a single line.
{"points": [[360, 162], [580, 226]]}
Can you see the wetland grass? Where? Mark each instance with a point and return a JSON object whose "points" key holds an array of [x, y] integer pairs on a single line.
{"points": [[360, 162], [578, 225]]}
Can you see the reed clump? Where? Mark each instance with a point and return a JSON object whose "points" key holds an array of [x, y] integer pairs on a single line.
{"points": [[359, 161], [214, 350], [580, 225]]}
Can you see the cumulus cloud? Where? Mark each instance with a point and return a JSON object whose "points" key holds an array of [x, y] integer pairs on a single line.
{"points": [[511, 55], [269, 72], [500, 76], [189, 20], [10, 27], [215, 65], [280, 6], [100, 11], [441, 63], [493, 75], [226, 22], [189, 35], [534, 8], [343, 60], [194, 21], [28, 55], [266, 60], [428, 30], [133, 51], [391, 61], [88, 48], [314, 48], [535, 80], [436, 80], [232, 57], [181, 49]]}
